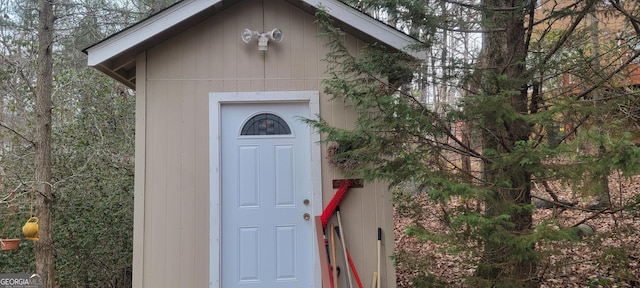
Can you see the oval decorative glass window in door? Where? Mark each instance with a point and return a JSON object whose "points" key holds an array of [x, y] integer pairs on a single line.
{"points": [[265, 124]]}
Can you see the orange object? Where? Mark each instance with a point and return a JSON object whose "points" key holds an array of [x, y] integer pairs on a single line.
{"points": [[333, 256], [10, 244], [324, 261]]}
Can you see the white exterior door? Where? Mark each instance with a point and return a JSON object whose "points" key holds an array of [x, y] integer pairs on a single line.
{"points": [[266, 189]]}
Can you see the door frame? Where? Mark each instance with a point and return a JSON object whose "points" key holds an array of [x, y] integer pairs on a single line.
{"points": [[216, 100]]}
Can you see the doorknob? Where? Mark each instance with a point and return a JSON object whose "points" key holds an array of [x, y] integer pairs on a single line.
{"points": [[306, 216]]}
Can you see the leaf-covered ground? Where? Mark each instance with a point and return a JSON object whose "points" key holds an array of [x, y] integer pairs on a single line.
{"points": [[609, 258]]}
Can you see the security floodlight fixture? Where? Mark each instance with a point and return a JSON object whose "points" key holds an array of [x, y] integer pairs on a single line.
{"points": [[275, 35]]}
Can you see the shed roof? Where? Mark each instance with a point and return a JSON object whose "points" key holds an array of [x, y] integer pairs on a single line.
{"points": [[115, 55]]}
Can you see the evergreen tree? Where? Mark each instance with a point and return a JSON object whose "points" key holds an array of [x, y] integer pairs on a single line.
{"points": [[513, 96]]}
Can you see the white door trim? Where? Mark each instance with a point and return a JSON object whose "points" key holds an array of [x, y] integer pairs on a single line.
{"points": [[216, 99]]}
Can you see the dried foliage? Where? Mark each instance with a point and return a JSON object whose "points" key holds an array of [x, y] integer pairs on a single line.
{"points": [[609, 258]]}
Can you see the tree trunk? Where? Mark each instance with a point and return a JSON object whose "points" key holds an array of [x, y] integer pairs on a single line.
{"points": [[603, 196], [44, 195], [504, 262]]}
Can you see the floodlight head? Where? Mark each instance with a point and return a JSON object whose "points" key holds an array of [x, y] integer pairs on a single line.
{"points": [[248, 35], [276, 35]]}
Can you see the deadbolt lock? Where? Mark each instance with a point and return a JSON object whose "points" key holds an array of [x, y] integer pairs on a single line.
{"points": [[305, 202]]}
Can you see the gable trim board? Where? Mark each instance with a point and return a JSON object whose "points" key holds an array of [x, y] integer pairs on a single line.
{"points": [[216, 100], [115, 55], [145, 30]]}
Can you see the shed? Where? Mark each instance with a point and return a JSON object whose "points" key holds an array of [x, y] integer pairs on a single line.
{"points": [[225, 173]]}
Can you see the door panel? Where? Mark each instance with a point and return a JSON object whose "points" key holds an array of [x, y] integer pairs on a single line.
{"points": [[248, 180], [248, 254], [286, 252], [285, 176], [266, 242]]}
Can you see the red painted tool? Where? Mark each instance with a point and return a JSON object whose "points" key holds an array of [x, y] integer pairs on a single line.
{"points": [[333, 204], [353, 267]]}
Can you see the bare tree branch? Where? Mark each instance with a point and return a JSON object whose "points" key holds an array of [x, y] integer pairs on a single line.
{"points": [[17, 133]]}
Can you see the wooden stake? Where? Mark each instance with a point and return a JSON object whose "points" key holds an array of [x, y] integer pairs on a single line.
{"points": [[333, 255], [344, 247], [373, 281], [324, 261]]}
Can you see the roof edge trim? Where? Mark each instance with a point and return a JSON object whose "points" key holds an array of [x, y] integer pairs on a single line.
{"points": [[369, 25], [138, 34]]}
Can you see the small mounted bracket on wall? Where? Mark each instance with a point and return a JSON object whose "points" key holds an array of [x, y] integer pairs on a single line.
{"points": [[355, 183]]}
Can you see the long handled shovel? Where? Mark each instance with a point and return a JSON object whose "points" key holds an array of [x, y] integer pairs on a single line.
{"points": [[373, 281], [329, 266], [346, 262], [333, 256], [344, 247], [351, 265], [379, 255]]}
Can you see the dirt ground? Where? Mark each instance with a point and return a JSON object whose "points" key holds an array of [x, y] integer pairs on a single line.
{"points": [[609, 258]]}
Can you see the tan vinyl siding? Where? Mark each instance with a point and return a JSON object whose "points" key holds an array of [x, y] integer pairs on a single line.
{"points": [[178, 76], [156, 193], [200, 235], [139, 182], [187, 187]]}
